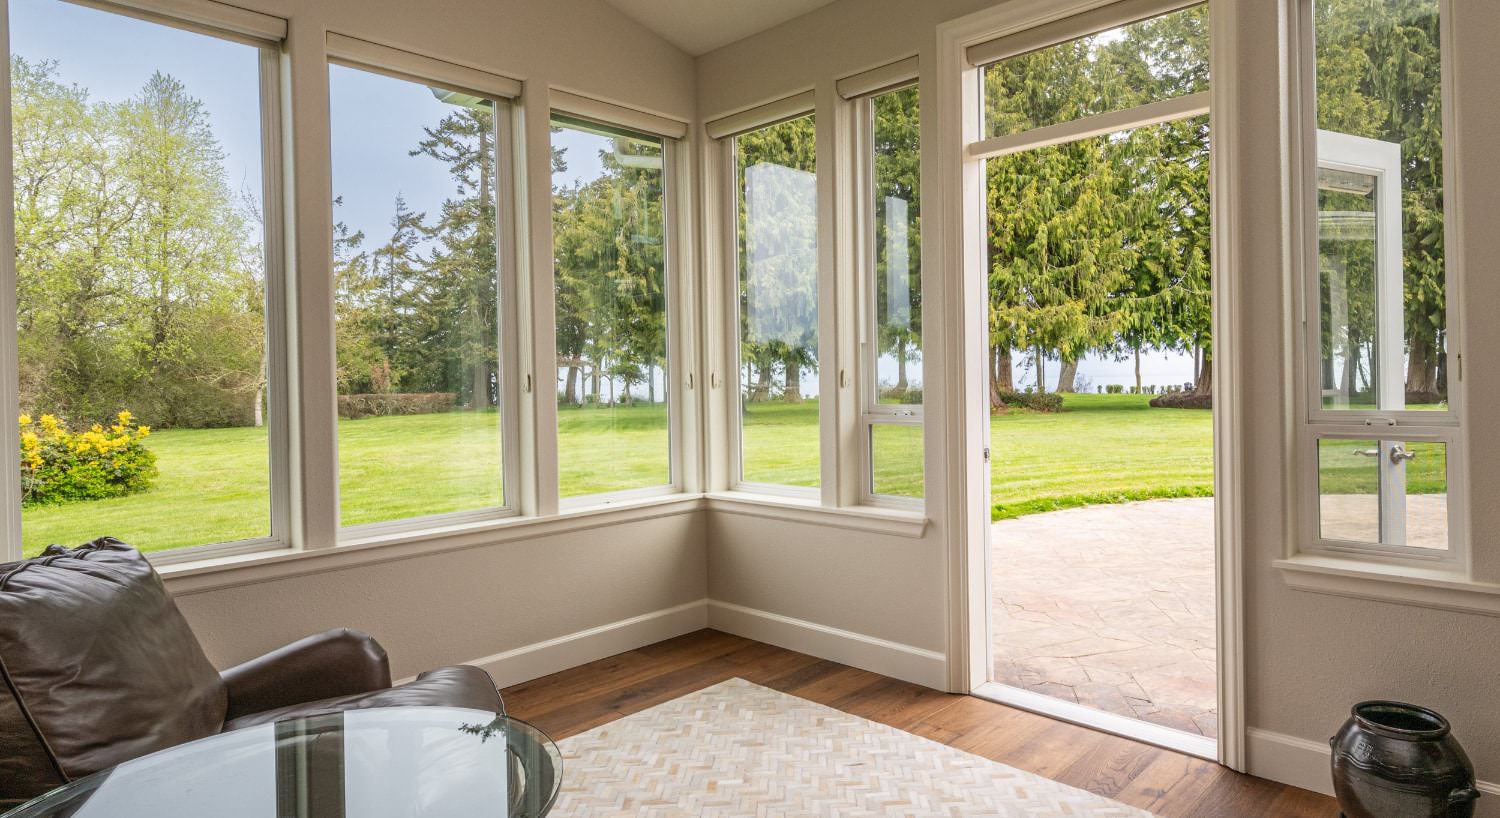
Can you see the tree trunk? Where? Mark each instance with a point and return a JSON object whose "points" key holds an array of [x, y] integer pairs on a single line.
{"points": [[1205, 383], [1137, 370], [570, 386], [901, 382], [762, 390], [1421, 368], [793, 393], [1041, 370], [594, 382], [1067, 373], [651, 383], [1004, 376]]}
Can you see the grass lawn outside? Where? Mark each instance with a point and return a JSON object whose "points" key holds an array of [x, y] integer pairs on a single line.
{"points": [[1100, 449]]}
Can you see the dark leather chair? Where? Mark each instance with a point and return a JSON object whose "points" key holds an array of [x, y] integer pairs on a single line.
{"points": [[98, 667]]}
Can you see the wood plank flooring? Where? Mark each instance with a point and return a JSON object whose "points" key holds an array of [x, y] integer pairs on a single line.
{"points": [[1166, 783]]}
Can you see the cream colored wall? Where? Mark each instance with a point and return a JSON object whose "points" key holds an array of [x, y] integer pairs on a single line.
{"points": [[464, 606], [469, 604], [1309, 656]]}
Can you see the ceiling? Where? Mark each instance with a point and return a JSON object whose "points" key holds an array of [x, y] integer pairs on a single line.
{"points": [[700, 26]]}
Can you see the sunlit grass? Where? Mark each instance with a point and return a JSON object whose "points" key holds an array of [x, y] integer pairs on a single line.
{"points": [[214, 485]]}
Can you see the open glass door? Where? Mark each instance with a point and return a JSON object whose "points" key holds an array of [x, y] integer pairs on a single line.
{"points": [[1371, 490]]}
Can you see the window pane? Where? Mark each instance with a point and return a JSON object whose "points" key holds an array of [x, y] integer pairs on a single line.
{"points": [[608, 249], [896, 459], [1099, 73], [141, 281], [1379, 72], [898, 248], [778, 279], [1346, 267], [417, 298], [1349, 490]]}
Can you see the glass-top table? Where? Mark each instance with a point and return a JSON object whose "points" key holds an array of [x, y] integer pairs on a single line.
{"points": [[395, 762]]}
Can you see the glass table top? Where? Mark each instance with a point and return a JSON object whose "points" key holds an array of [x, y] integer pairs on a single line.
{"points": [[395, 762]]}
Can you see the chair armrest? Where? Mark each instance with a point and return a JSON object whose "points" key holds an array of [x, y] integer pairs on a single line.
{"points": [[339, 662]]}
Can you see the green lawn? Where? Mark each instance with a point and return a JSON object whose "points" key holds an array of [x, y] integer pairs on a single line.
{"points": [[213, 484]]}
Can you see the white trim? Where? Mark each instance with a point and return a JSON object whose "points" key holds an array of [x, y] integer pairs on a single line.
{"points": [[198, 14], [609, 113], [1364, 578], [1302, 763], [266, 566], [10, 445], [899, 661], [887, 77], [1225, 128], [762, 116], [895, 522], [1289, 760], [538, 659], [357, 53], [1074, 713], [1066, 26], [1151, 113]]}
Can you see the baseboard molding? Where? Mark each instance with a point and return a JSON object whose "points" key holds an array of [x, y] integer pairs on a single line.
{"points": [[905, 662], [571, 650], [1302, 763]]}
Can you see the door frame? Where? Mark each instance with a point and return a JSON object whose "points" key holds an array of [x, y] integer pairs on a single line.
{"points": [[956, 101]]}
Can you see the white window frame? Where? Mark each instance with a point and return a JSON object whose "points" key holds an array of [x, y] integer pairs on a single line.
{"points": [[267, 34], [1311, 149], [676, 382], [349, 52], [871, 411], [786, 110]]}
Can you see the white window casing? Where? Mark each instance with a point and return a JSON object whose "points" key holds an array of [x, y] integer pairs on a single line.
{"points": [[357, 53]]}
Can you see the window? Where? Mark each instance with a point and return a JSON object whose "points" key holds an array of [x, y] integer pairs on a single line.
{"points": [[609, 253], [1377, 277], [892, 333], [147, 301], [777, 223], [416, 267]]}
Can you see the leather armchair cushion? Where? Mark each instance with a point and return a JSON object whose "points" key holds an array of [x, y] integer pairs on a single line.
{"points": [[98, 662], [339, 662], [458, 686]]}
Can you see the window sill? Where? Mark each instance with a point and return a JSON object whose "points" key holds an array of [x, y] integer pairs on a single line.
{"points": [[213, 573], [872, 519], [1403, 584]]}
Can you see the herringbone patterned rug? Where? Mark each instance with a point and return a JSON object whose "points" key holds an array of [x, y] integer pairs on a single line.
{"points": [[739, 750]]}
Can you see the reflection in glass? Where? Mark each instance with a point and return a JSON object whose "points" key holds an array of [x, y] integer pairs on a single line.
{"points": [[776, 172], [611, 293], [898, 247], [417, 298], [1347, 280], [1349, 490], [1379, 79]]}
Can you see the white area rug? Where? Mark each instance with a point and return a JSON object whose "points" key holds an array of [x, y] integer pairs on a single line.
{"points": [[739, 749]]}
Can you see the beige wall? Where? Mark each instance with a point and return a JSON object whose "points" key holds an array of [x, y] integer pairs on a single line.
{"points": [[463, 606], [1309, 656]]}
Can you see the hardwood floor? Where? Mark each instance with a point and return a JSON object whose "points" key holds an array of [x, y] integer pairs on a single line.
{"points": [[1163, 782]]}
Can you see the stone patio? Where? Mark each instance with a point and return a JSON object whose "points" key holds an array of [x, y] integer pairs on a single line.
{"points": [[1111, 607]]}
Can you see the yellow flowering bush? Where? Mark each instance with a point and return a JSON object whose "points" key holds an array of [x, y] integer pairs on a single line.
{"points": [[59, 465]]}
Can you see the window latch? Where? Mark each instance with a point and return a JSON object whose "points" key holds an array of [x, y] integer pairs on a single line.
{"points": [[986, 454]]}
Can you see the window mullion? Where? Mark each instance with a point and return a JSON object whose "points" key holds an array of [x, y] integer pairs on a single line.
{"points": [[10, 450]]}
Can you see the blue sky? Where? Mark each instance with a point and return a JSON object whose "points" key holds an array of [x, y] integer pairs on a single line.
{"points": [[376, 120]]}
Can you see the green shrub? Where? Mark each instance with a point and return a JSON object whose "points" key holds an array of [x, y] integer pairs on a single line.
{"points": [[1035, 401], [62, 466]]}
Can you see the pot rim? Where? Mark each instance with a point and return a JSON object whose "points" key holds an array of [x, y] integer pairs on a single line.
{"points": [[1443, 728]]}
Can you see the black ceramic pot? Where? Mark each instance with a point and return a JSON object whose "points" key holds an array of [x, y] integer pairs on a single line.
{"points": [[1395, 760]]}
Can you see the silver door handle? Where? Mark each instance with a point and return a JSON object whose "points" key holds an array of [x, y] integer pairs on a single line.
{"points": [[1367, 452], [1399, 454]]}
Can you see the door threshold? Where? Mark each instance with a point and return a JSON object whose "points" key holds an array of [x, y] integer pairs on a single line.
{"points": [[1134, 729]]}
